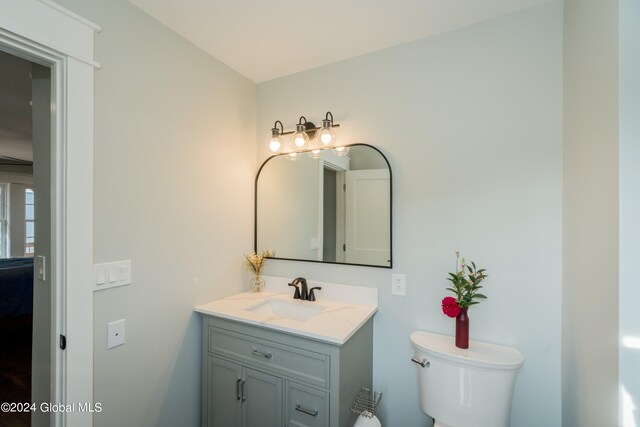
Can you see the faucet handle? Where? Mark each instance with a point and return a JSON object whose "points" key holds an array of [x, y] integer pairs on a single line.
{"points": [[296, 294], [312, 296]]}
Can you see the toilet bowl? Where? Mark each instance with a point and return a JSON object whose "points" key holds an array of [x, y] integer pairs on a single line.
{"points": [[465, 387]]}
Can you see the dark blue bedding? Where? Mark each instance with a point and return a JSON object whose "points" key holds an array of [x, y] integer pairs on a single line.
{"points": [[16, 287]]}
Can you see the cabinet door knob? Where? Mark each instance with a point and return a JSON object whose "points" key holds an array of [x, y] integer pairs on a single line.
{"points": [[312, 412]]}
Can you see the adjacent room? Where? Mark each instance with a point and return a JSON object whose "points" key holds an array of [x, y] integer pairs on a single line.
{"points": [[24, 88]]}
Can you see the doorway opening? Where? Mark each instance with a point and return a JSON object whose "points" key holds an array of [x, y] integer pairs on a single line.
{"points": [[62, 41], [333, 215], [25, 297]]}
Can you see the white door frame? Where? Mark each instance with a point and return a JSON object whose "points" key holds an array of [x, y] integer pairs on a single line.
{"points": [[44, 32]]}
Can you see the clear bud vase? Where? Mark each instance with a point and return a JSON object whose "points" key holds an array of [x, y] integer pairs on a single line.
{"points": [[256, 284], [462, 329]]}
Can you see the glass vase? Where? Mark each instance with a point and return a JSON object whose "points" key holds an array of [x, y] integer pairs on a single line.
{"points": [[462, 329], [256, 284]]}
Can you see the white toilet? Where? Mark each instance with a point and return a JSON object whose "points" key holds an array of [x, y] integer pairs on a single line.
{"points": [[465, 388]]}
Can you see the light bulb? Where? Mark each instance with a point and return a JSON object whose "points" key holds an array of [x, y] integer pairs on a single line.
{"points": [[274, 145], [300, 140], [326, 134], [326, 137], [293, 156]]}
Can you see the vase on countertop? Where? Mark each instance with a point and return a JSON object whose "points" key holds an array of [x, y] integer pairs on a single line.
{"points": [[256, 284], [462, 329]]}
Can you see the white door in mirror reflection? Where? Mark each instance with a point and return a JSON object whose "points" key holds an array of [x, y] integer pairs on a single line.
{"points": [[368, 224]]}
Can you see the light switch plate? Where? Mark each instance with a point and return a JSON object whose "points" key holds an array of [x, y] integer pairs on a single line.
{"points": [[41, 267], [115, 333], [111, 274]]}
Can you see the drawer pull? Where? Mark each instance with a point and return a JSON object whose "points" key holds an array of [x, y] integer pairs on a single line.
{"points": [[312, 412], [238, 392], [259, 353]]}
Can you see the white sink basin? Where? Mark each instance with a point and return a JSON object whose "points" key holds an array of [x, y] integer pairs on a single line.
{"points": [[289, 309], [334, 318]]}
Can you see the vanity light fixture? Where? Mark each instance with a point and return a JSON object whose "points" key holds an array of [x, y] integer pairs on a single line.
{"points": [[306, 138]]}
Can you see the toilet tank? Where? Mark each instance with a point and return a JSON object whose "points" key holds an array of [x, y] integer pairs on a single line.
{"points": [[465, 387]]}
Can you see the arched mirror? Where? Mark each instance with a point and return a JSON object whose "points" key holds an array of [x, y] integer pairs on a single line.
{"points": [[333, 208]]}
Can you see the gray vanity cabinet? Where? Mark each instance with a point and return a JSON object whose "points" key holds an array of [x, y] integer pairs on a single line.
{"points": [[306, 406], [254, 376], [261, 400], [223, 402], [243, 396]]}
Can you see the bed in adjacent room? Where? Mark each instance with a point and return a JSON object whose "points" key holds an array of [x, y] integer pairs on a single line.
{"points": [[16, 287]]}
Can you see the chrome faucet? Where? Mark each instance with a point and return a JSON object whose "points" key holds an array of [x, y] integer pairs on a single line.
{"points": [[303, 293]]}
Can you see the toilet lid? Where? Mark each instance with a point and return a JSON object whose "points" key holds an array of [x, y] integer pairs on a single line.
{"points": [[480, 354]]}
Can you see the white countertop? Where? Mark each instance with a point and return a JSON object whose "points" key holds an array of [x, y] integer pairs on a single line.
{"points": [[340, 317]]}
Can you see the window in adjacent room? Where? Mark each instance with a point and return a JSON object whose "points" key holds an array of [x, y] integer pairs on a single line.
{"points": [[29, 218]]}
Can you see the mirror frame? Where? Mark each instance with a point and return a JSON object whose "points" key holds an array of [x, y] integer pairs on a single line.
{"points": [[255, 213]]}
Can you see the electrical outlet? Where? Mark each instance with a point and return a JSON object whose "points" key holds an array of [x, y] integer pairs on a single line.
{"points": [[115, 333], [399, 284]]}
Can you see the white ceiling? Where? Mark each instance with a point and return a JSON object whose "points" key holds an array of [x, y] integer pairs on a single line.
{"points": [[267, 39]]}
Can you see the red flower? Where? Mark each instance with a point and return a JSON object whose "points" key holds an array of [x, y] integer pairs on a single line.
{"points": [[450, 307]]}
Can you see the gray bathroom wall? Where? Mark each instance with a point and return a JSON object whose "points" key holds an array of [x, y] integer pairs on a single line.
{"points": [[174, 167], [471, 122], [591, 214], [629, 212]]}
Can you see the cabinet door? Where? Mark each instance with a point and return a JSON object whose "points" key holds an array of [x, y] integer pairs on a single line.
{"points": [[306, 407], [261, 399], [223, 393]]}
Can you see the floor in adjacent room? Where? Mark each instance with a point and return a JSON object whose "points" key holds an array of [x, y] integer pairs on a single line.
{"points": [[15, 368]]}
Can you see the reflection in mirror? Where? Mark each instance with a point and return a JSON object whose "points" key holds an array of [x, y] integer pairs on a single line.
{"points": [[331, 209]]}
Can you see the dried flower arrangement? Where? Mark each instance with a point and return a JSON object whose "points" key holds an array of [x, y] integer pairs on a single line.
{"points": [[255, 262]]}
